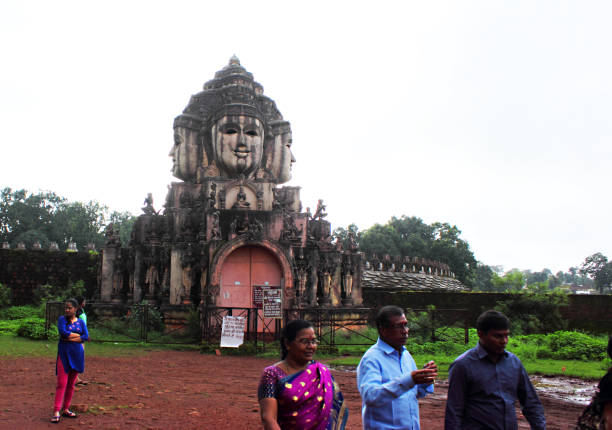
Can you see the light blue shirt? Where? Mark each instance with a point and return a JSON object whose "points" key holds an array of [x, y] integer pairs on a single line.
{"points": [[389, 395]]}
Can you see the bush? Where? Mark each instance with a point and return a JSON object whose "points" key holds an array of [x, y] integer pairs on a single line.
{"points": [[9, 327], [5, 296], [566, 345], [20, 312], [33, 328]]}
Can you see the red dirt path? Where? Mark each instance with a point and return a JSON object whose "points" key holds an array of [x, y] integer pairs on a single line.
{"points": [[180, 390]]}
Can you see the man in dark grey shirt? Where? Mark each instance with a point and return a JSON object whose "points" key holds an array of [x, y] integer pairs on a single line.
{"points": [[486, 381]]}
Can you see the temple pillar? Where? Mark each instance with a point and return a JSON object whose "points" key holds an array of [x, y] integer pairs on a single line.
{"points": [[176, 277], [109, 255], [136, 282]]}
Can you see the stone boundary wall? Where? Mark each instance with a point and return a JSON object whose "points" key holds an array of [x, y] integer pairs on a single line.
{"points": [[24, 270], [584, 312]]}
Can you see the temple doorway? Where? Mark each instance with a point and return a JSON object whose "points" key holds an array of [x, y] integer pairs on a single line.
{"points": [[244, 274], [244, 271]]}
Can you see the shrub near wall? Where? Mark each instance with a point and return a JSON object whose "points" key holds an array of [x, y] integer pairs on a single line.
{"points": [[23, 271]]}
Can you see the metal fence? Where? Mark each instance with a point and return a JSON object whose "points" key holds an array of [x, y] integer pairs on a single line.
{"points": [[334, 327], [116, 322]]}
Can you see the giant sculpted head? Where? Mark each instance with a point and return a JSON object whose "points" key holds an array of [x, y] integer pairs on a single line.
{"points": [[186, 152], [221, 132], [280, 158], [237, 141]]}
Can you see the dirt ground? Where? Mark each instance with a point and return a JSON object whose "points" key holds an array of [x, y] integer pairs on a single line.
{"points": [[181, 390]]}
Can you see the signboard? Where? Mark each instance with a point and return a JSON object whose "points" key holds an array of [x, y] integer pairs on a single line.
{"points": [[272, 303], [232, 332], [258, 296]]}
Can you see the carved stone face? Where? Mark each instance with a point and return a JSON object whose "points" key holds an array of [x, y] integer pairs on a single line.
{"points": [[184, 154], [238, 144], [285, 157]]}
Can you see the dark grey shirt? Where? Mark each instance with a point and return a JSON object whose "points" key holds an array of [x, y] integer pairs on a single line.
{"points": [[482, 394]]}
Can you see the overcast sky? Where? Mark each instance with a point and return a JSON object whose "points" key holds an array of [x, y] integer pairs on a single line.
{"points": [[493, 116]]}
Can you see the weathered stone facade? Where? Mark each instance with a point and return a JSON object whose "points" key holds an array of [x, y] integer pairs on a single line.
{"points": [[231, 153]]}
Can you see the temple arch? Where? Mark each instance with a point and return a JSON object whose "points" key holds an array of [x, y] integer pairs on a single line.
{"points": [[241, 264]]}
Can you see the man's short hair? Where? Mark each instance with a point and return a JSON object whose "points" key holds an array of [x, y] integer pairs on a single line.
{"points": [[384, 314], [492, 320]]}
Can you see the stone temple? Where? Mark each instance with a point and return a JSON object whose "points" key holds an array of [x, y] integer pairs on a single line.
{"points": [[228, 228]]}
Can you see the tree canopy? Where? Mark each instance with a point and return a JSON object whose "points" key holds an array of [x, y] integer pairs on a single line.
{"points": [[46, 217], [410, 236], [598, 268]]}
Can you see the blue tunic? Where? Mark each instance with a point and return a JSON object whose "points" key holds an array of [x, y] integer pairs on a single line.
{"points": [[71, 354]]}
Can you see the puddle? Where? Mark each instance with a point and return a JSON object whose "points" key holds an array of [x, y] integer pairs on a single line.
{"points": [[571, 390]]}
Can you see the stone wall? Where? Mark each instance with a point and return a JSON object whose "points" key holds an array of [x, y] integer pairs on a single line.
{"points": [[585, 312], [24, 270]]}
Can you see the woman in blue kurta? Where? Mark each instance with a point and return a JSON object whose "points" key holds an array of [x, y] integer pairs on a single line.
{"points": [[70, 358]]}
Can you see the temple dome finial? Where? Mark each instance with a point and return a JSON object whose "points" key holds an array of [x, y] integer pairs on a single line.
{"points": [[234, 61]]}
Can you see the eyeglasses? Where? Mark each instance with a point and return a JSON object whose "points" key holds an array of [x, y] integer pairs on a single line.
{"points": [[403, 326], [313, 342]]}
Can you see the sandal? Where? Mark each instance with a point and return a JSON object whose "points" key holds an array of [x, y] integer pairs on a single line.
{"points": [[55, 419], [68, 413]]}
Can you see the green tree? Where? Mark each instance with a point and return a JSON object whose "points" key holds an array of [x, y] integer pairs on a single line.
{"points": [[342, 234], [482, 278], [598, 268], [380, 239], [124, 222], [410, 236], [511, 281], [46, 217]]}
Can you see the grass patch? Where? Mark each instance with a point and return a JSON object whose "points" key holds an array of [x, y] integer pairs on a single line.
{"points": [[574, 368], [13, 346]]}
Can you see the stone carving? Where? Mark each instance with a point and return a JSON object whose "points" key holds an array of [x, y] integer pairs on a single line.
{"points": [[222, 131], [112, 235], [320, 212], [279, 157], [212, 200], [241, 200], [148, 208], [290, 232], [215, 232], [251, 230], [6, 245], [37, 246]]}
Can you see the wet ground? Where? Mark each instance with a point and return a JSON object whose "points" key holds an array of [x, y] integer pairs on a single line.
{"points": [[570, 390]]}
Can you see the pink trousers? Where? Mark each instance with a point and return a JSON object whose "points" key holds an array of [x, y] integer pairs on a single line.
{"points": [[64, 388]]}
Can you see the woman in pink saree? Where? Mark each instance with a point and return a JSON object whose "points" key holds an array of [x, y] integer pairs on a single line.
{"points": [[297, 392]]}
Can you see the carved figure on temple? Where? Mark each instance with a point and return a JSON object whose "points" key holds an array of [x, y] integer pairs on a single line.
{"points": [[112, 235], [290, 231], [241, 200], [215, 232], [151, 279], [212, 200], [320, 212], [148, 208]]}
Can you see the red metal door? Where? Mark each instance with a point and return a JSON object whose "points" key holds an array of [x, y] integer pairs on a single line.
{"points": [[243, 268]]}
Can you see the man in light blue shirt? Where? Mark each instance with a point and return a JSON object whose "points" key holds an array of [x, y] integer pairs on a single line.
{"points": [[388, 379]]}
